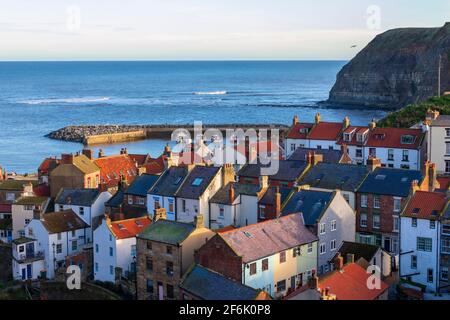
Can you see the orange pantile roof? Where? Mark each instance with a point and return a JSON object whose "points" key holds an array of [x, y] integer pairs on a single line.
{"points": [[47, 165], [353, 141], [351, 284], [425, 205], [325, 131], [123, 229], [112, 167], [155, 166], [225, 229], [295, 133], [140, 159], [392, 138]]}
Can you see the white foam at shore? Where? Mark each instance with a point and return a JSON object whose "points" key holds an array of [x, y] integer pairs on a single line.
{"points": [[211, 93], [68, 100]]}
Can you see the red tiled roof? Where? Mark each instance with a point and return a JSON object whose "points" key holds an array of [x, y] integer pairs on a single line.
{"points": [[353, 141], [225, 229], [295, 133], [5, 208], [425, 205], [444, 183], [391, 138], [351, 284], [47, 165], [326, 131], [113, 166], [155, 166], [42, 190], [140, 159], [129, 228]]}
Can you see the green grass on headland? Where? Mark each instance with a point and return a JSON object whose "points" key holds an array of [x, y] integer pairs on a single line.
{"points": [[412, 114]]}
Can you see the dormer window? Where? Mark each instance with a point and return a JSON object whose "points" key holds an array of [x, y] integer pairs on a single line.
{"points": [[303, 130], [407, 139], [379, 136], [347, 136], [360, 137]]}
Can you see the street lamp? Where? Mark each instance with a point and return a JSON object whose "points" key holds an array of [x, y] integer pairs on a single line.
{"points": [[54, 259]]}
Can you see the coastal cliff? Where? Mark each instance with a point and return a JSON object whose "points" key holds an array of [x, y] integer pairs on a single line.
{"points": [[399, 67]]}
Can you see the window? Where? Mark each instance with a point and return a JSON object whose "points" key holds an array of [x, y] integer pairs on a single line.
{"points": [[405, 155], [10, 196], [74, 245], [21, 248], [81, 211], [407, 139], [397, 204], [96, 266], [169, 268], [262, 212], [445, 245], [28, 207], [414, 222], [110, 237], [424, 244], [430, 275], [169, 250], [296, 252], [149, 245], [376, 221], [333, 225], [253, 268], [281, 286], [322, 249], [322, 228], [96, 248], [372, 152], [111, 269], [310, 248], [133, 250], [364, 201], [265, 265], [376, 202], [156, 204], [391, 154], [447, 132], [111, 252], [195, 208], [396, 224], [432, 224], [150, 286], [414, 262], [183, 205], [27, 221], [282, 256], [333, 245], [141, 201], [319, 147], [59, 236], [447, 166], [444, 273], [169, 289], [292, 146], [59, 248], [197, 182], [149, 264], [446, 229], [358, 153], [363, 220], [360, 137], [171, 206], [447, 148]]}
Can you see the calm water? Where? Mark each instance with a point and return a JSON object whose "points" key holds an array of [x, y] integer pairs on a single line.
{"points": [[38, 97]]}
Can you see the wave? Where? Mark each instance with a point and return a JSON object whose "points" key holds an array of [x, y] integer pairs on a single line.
{"points": [[211, 93], [65, 101]]}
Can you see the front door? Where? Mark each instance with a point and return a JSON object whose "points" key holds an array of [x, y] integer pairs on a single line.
{"points": [[293, 282], [300, 280], [24, 274], [29, 271], [387, 244], [160, 291], [30, 249]]}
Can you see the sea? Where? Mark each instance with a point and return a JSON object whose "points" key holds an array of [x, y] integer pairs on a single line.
{"points": [[39, 97]]}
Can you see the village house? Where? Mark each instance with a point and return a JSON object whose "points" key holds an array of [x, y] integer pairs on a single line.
{"points": [[165, 252], [333, 176], [438, 137], [115, 251], [287, 175], [58, 235], [200, 283], [11, 190], [327, 155], [198, 188], [45, 168], [28, 262], [251, 256], [88, 204], [354, 138], [328, 216], [75, 172], [366, 255], [420, 239], [346, 282], [162, 194], [271, 203], [24, 210], [235, 205], [136, 194], [379, 202], [6, 230]]}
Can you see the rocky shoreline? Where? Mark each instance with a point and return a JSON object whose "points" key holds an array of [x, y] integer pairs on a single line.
{"points": [[80, 133]]}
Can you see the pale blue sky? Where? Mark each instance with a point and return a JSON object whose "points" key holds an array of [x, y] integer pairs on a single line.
{"points": [[203, 29]]}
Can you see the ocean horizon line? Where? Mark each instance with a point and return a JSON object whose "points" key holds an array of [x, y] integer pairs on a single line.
{"points": [[183, 60]]}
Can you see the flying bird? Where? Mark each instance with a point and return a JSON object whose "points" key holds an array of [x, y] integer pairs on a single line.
{"points": [[353, 46]]}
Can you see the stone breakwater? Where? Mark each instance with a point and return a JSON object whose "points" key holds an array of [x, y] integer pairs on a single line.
{"points": [[85, 133]]}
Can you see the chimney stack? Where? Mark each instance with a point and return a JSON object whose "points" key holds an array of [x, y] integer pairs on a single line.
{"points": [[277, 202], [227, 174], [346, 122], [414, 186], [198, 221], [317, 118], [338, 262], [314, 158], [231, 193], [372, 124], [350, 258], [295, 120], [159, 213], [373, 163], [88, 153], [67, 158], [432, 178], [263, 182], [100, 153], [102, 187]]}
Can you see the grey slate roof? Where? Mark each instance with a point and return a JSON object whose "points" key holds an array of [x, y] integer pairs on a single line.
{"points": [[310, 203], [167, 231], [387, 181], [189, 190], [78, 197], [329, 156], [222, 196], [360, 250], [289, 170], [334, 176], [141, 185], [116, 200], [62, 221], [169, 182], [269, 197], [210, 285]]}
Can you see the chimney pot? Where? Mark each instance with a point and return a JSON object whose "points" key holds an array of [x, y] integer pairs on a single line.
{"points": [[317, 118], [231, 193], [198, 221], [295, 120], [100, 153]]}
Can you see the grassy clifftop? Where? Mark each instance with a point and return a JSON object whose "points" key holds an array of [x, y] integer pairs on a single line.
{"points": [[412, 114]]}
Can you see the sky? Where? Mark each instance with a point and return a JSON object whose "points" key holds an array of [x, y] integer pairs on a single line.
{"points": [[204, 29]]}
